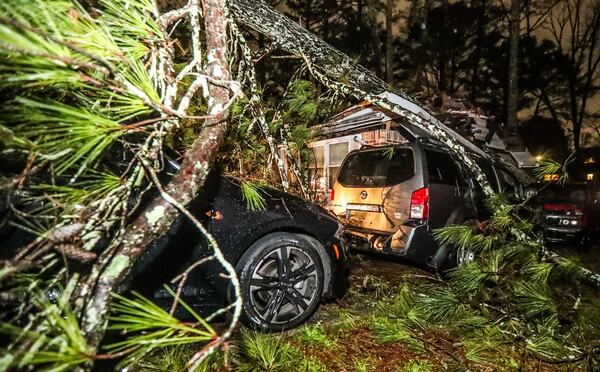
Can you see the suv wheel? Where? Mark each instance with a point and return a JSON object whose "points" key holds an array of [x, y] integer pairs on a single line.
{"points": [[281, 278], [457, 256], [464, 256]]}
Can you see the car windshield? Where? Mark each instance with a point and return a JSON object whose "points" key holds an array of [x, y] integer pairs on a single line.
{"points": [[377, 168], [564, 194]]}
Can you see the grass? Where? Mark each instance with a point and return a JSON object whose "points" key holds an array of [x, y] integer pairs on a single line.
{"points": [[363, 365], [176, 358], [314, 335], [310, 365], [345, 321], [262, 352], [272, 353], [385, 326], [417, 366]]}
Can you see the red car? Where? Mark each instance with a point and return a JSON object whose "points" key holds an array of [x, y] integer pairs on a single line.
{"points": [[571, 213]]}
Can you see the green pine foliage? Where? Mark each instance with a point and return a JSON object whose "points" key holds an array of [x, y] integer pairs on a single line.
{"points": [[56, 344], [148, 327], [291, 117], [314, 335], [363, 365], [74, 84], [507, 307], [514, 298], [265, 353], [253, 194], [261, 352], [82, 97], [417, 366]]}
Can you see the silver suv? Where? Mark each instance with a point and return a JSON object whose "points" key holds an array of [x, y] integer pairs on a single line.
{"points": [[390, 198]]}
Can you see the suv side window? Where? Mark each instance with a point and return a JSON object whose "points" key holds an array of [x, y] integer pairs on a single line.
{"points": [[509, 185], [487, 169], [443, 169]]}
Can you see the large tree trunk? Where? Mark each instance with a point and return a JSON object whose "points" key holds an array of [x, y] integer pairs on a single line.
{"points": [[512, 105], [443, 54], [184, 186], [421, 81], [574, 108], [389, 42], [376, 47], [474, 83], [337, 70]]}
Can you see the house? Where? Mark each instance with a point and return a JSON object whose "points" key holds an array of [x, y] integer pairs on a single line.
{"points": [[585, 166]]}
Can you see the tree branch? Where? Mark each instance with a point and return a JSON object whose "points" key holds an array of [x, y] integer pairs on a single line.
{"points": [[183, 187]]}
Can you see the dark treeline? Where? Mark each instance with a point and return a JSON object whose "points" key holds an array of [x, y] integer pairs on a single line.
{"points": [[439, 48]]}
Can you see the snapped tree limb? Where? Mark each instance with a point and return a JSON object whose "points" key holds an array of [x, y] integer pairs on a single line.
{"points": [[183, 187], [338, 71]]}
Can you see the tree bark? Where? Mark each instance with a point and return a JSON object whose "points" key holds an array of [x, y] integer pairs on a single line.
{"points": [[184, 186], [389, 41], [474, 83], [512, 105], [443, 54], [376, 47], [421, 76]]}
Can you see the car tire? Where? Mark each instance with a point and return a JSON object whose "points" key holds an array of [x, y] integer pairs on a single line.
{"points": [[457, 256], [281, 282]]}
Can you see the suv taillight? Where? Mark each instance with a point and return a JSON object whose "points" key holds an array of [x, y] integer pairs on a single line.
{"points": [[419, 204], [332, 195]]}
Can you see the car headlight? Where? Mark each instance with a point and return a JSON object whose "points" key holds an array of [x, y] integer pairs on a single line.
{"points": [[574, 222]]}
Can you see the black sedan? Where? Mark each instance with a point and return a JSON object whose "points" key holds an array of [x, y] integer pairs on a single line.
{"points": [[289, 256]]}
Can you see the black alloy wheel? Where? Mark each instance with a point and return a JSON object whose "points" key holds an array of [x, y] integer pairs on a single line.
{"points": [[281, 278]]}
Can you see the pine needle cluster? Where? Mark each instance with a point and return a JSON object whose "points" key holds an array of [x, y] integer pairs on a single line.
{"points": [[290, 117]]}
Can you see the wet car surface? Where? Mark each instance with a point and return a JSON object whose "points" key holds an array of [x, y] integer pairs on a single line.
{"points": [[289, 256]]}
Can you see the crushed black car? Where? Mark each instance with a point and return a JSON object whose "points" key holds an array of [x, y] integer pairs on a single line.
{"points": [[289, 257]]}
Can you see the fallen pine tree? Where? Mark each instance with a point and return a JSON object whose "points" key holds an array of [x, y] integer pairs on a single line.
{"points": [[99, 78]]}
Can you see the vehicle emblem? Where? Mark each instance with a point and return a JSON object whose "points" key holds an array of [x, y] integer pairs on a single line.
{"points": [[363, 194]]}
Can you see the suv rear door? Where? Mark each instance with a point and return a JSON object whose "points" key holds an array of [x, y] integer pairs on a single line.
{"points": [[447, 186], [374, 187]]}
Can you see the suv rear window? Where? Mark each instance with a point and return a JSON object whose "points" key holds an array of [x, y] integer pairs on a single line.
{"points": [[377, 168]]}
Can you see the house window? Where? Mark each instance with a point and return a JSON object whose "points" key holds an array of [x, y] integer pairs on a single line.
{"points": [[337, 153], [316, 169], [324, 169]]}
